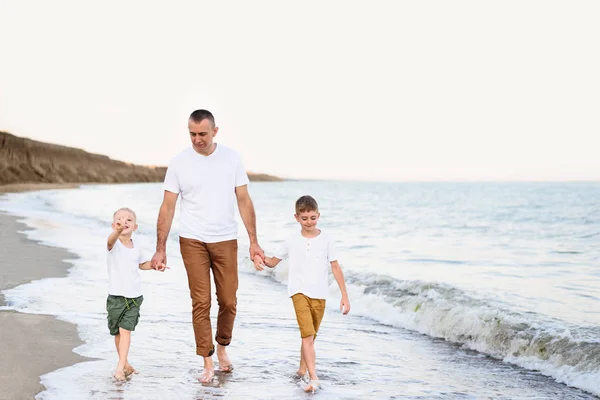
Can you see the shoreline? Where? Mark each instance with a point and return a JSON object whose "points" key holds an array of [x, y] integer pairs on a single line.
{"points": [[31, 344], [33, 187]]}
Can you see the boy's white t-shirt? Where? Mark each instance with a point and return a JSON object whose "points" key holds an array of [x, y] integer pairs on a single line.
{"points": [[124, 270], [206, 185], [309, 264]]}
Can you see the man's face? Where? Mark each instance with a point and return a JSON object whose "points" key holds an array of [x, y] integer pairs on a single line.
{"points": [[202, 134]]}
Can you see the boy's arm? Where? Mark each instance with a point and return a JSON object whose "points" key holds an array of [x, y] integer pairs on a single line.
{"points": [[270, 262], [339, 278], [148, 266], [114, 235]]}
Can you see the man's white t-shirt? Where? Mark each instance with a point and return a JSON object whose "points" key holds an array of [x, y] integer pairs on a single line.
{"points": [[124, 270], [309, 264], [206, 185]]}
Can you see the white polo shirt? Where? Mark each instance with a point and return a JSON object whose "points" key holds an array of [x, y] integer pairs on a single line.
{"points": [[206, 186], [124, 270], [309, 263]]}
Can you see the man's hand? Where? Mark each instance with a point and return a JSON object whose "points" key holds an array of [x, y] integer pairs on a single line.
{"points": [[159, 261], [255, 250], [162, 267], [258, 263]]}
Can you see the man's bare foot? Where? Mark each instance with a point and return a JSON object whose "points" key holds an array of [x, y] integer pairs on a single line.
{"points": [[224, 362], [129, 370], [207, 375], [312, 386], [120, 376]]}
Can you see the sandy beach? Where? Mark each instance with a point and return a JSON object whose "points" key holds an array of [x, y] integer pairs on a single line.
{"points": [[31, 345]]}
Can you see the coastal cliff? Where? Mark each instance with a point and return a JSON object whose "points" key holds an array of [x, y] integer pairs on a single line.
{"points": [[24, 160]]}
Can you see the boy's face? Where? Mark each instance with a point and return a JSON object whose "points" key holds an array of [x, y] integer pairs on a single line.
{"points": [[127, 220], [308, 220]]}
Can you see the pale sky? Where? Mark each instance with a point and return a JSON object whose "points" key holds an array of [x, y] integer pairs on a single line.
{"points": [[366, 90]]}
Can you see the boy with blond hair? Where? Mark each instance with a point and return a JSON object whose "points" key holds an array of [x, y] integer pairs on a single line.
{"points": [[124, 259], [311, 253]]}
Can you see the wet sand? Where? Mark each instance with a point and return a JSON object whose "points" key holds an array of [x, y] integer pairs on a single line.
{"points": [[30, 345]]}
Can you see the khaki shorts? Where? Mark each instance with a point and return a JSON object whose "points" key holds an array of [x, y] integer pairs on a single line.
{"points": [[309, 313], [123, 313]]}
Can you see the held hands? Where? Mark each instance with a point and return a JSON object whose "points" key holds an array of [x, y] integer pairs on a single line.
{"points": [[259, 264], [257, 255], [159, 261], [345, 305], [256, 250]]}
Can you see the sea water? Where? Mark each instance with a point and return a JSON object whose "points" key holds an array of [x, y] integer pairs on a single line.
{"points": [[458, 291]]}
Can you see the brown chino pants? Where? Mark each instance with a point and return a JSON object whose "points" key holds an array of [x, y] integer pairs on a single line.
{"points": [[199, 258]]}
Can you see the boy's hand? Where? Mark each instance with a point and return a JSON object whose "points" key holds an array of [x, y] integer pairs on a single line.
{"points": [[345, 305], [118, 226], [258, 263]]}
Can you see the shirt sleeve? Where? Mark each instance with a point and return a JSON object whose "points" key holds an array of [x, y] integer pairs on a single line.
{"points": [[331, 251], [241, 177], [171, 180], [282, 251]]}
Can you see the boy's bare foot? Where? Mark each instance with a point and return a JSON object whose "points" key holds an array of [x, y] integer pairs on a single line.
{"points": [[300, 374], [120, 376], [129, 370], [312, 386], [224, 362], [207, 375]]}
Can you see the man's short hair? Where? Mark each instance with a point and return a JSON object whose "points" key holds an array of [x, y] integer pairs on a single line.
{"points": [[200, 115], [306, 204]]}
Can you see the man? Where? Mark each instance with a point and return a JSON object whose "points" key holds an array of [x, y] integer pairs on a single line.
{"points": [[210, 178]]}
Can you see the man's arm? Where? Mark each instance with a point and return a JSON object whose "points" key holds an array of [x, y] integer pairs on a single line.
{"points": [[247, 211], [163, 227], [248, 215], [339, 278], [165, 219]]}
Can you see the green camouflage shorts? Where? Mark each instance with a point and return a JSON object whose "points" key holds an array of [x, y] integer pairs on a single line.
{"points": [[123, 313]]}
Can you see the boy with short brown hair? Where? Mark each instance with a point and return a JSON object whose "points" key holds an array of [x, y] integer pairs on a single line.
{"points": [[310, 253]]}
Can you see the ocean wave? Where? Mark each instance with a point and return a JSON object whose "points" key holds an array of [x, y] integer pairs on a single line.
{"points": [[568, 353], [432, 260]]}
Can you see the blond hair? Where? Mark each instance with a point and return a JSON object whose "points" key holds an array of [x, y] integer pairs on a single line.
{"points": [[129, 210]]}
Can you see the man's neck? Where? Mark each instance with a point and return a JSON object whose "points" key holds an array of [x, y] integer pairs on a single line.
{"points": [[210, 150]]}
